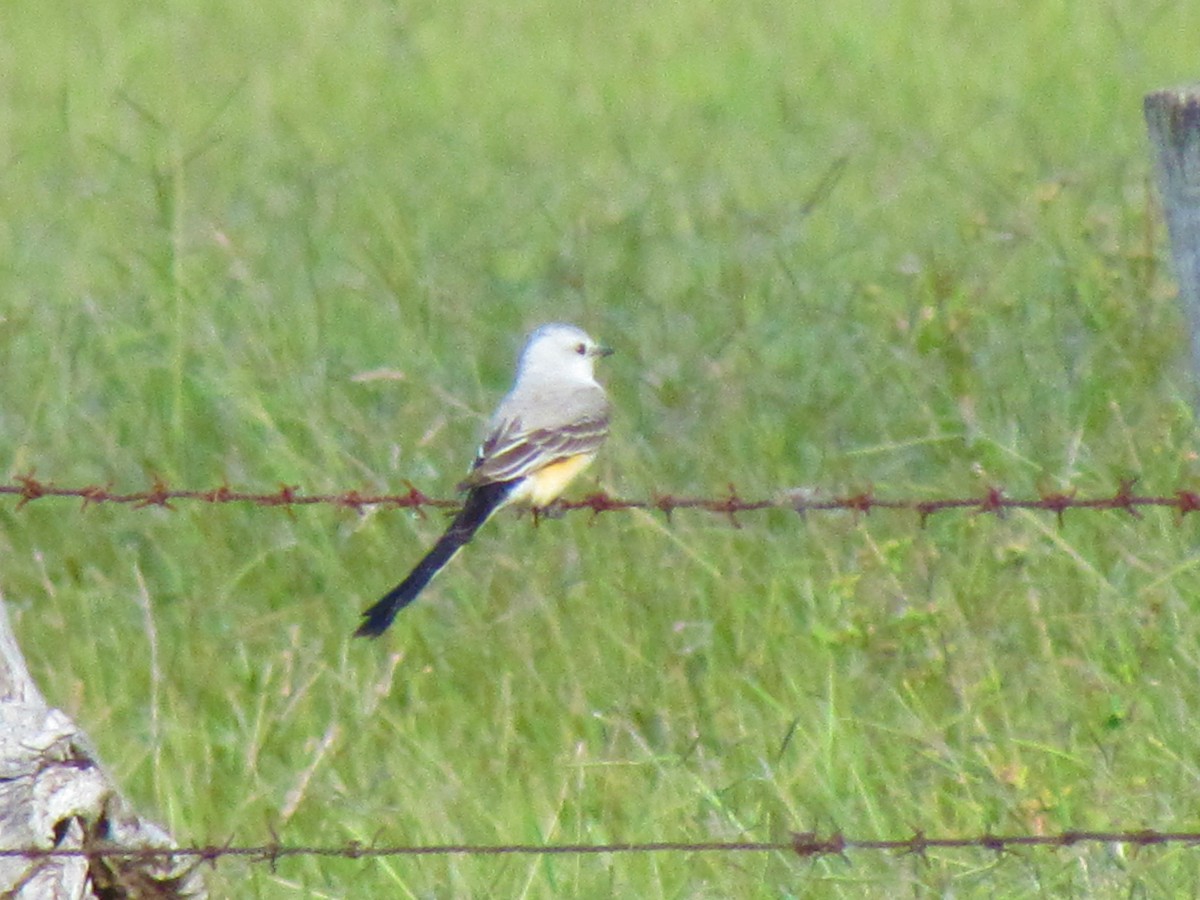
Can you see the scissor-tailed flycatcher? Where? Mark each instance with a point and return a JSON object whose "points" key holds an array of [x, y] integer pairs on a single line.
{"points": [[544, 433]]}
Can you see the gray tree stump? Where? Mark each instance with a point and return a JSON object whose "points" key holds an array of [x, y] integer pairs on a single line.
{"points": [[55, 795], [1173, 121]]}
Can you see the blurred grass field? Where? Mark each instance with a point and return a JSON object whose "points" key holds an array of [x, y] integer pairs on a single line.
{"points": [[906, 246]]}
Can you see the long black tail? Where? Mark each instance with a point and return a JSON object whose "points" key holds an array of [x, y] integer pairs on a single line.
{"points": [[481, 502]]}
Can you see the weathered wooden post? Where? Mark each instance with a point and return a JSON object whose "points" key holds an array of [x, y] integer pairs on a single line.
{"points": [[54, 795], [1173, 120]]}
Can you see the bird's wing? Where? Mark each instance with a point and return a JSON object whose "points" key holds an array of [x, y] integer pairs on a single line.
{"points": [[510, 452]]}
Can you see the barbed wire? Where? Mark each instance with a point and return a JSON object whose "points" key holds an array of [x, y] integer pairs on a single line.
{"points": [[994, 500], [803, 844]]}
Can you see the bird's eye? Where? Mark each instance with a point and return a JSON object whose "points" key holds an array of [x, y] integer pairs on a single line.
{"points": [[581, 349]]}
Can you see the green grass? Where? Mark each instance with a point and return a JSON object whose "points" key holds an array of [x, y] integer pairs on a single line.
{"points": [[906, 246]]}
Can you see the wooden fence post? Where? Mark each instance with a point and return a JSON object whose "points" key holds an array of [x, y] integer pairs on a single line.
{"points": [[1173, 121], [55, 795]]}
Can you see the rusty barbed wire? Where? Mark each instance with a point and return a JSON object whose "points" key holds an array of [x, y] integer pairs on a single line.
{"points": [[803, 844], [994, 500]]}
